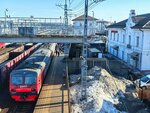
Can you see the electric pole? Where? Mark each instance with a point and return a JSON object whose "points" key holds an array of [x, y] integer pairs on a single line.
{"points": [[84, 52], [65, 29], [6, 10], [66, 17], [65, 8]]}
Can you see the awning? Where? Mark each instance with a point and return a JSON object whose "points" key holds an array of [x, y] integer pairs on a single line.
{"points": [[134, 55], [114, 31], [115, 47]]}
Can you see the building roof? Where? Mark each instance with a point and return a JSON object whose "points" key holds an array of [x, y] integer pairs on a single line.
{"points": [[81, 18], [141, 22], [121, 24], [94, 50]]}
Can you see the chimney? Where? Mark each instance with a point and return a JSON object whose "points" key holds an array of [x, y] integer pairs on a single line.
{"points": [[132, 13]]}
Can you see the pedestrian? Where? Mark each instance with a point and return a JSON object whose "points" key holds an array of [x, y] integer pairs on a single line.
{"points": [[58, 53], [57, 50]]}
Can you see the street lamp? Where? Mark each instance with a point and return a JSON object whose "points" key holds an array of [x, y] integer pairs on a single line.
{"points": [[6, 10]]}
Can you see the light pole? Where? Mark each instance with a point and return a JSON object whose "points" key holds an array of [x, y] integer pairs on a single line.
{"points": [[6, 10]]}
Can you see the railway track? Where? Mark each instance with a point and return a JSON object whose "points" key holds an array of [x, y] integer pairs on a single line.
{"points": [[8, 48], [10, 106], [21, 107], [4, 52]]}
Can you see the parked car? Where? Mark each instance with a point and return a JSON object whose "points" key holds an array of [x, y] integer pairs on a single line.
{"points": [[143, 82]]}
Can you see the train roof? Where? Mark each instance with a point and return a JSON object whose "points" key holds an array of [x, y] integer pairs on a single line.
{"points": [[35, 60], [24, 72]]}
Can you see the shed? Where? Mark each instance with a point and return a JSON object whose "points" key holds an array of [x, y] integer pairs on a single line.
{"points": [[93, 52]]}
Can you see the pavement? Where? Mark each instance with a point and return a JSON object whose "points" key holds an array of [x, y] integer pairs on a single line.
{"points": [[54, 95]]}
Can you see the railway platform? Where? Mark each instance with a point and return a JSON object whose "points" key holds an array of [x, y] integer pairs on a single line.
{"points": [[53, 97]]}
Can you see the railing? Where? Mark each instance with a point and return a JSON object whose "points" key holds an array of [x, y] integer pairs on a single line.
{"points": [[67, 84]]}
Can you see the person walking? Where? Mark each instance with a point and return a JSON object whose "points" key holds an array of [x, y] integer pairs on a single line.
{"points": [[57, 50]]}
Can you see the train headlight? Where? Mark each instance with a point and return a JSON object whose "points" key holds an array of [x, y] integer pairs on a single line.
{"points": [[13, 90], [33, 89]]}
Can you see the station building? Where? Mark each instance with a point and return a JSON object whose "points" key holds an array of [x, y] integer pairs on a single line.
{"points": [[129, 40]]}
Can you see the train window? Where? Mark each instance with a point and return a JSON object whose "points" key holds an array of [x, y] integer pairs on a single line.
{"points": [[30, 80], [17, 80]]}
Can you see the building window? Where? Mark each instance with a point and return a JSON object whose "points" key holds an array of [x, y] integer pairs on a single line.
{"points": [[114, 37], [90, 24], [117, 37], [80, 32], [96, 24], [122, 55], [80, 24], [123, 38], [129, 40], [111, 36], [137, 41]]}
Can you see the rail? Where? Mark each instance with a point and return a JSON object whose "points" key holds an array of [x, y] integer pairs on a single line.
{"points": [[67, 84]]}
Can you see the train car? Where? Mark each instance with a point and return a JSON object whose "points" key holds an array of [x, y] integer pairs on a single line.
{"points": [[26, 80], [8, 66]]}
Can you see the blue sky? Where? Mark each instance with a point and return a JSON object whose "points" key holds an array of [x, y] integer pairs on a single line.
{"points": [[108, 10]]}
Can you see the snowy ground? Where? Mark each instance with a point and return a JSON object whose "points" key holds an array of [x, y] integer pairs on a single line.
{"points": [[104, 93]]}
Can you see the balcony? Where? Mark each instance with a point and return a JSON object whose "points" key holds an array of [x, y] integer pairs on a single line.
{"points": [[129, 46]]}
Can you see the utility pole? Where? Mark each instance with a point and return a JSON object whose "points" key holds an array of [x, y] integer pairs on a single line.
{"points": [[6, 10], [66, 17], [84, 52], [65, 30], [65, 7]]}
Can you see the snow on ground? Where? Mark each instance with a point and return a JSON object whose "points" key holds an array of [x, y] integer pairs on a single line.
{"points": [[103, 93]]}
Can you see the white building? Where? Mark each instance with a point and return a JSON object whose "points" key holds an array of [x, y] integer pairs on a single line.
{"points": [[102, 25], [129, 40], [78, 25]]}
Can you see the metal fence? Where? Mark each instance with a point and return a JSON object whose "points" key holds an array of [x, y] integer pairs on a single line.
{"points": [[46, 26], [67, 84]]}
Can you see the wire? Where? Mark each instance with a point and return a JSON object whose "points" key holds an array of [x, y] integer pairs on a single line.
{"points": [[58, 2], [79, 5], [70, 2]]}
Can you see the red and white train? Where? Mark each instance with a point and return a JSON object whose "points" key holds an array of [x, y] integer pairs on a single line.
{"points": [[8, 66], [26, 80]]}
